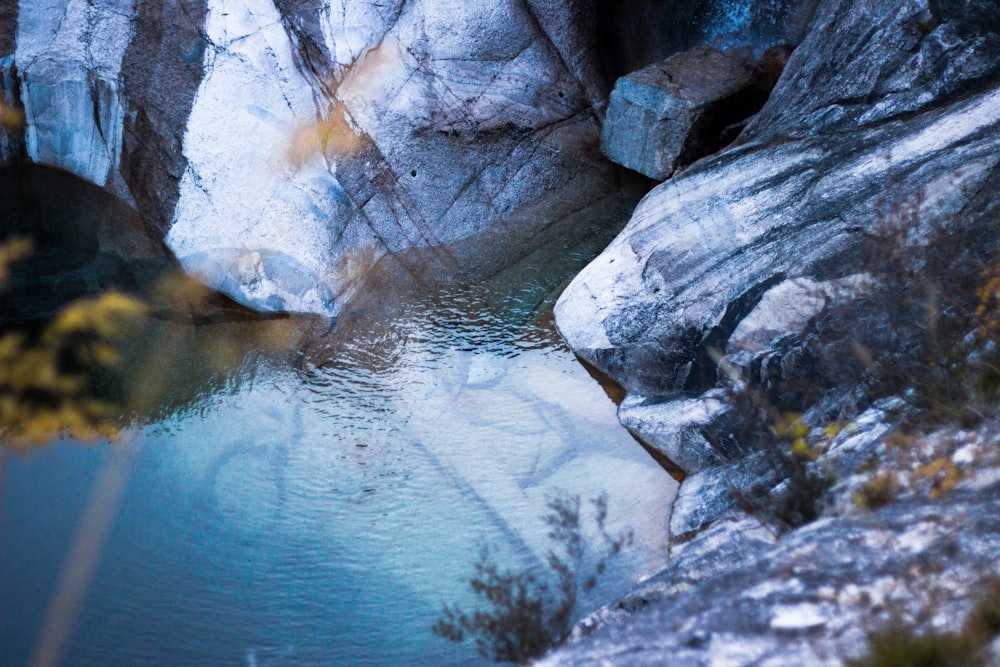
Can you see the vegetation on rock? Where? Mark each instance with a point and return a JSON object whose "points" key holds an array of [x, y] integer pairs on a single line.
{"points": [[899, 644]]}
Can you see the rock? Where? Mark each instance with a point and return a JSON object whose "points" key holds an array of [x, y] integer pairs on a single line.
{"points": [[733, 540], [859, 67], [669, 114], [452, 119], [730, 543], [416, 125], [707, 496], [84, 241], [786, 309], [813, 598], [703, 247], [675, 428], [887, 117], [826, 584], [631, 34], [798, 347]]}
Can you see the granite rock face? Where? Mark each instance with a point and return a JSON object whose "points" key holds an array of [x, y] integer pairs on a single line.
{"points": [[738, 589], [284, 146], [795, 197], [812, 598], [676, 428], [767, 271], [859, 66]]}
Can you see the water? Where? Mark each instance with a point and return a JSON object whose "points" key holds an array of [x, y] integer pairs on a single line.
{"points": [[298, 494]]}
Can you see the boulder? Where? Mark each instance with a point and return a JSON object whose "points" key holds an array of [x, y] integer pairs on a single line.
{"points": [[730, 543], [670, 113], [703, 247], [676, 428]]}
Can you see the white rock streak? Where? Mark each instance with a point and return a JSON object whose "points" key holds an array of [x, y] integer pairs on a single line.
{"points": [[73, 107], [249, 220]]}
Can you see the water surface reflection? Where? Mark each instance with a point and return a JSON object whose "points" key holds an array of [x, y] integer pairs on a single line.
{"points": [[308, 494]]}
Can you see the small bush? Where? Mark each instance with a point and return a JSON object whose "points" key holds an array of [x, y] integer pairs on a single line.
{"points": [[518, 622], [877, 492], [48, 375], [945, 292], [899, 645], [792, 487], [522, 616], [796, 501]]}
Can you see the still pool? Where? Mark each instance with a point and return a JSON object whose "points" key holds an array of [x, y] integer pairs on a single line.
{"points": [[291, 492]]}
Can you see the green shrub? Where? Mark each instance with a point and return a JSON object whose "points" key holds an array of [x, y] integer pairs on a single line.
{"points": [[945, 292], [48, 373], [792, 486]]}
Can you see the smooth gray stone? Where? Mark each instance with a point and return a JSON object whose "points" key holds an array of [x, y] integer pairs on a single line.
{"points": [[703, 247], [670, 113], [804, 186], [675, 428]]}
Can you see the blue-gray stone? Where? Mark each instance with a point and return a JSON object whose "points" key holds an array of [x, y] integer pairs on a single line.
{"points": [[670, 113]]}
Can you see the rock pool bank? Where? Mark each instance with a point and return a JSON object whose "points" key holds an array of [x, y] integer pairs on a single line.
{"points": [[763, 307]]}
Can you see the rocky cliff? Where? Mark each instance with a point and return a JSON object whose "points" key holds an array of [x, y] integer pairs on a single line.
{"points": [[192, 112], [284, 146], [802, 323]]}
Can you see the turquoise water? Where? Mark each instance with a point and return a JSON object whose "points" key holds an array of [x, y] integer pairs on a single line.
{"points": [[318, 497]]}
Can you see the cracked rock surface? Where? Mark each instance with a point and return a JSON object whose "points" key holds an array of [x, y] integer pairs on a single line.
{"points": [[812, 598], [735, 591], [795, 197], [734, 274], [283, 147]]}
